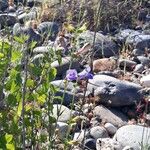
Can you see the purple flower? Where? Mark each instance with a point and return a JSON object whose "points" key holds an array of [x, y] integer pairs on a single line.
{"points": [[85, 74], [72, 75]]}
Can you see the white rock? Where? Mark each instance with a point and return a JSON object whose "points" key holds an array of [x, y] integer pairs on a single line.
{"points": [[98, 132], [110, 128], [108, 144], [145, 80]]}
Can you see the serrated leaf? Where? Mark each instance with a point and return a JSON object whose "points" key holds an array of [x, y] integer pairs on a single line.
{"points": [[8, 137]]}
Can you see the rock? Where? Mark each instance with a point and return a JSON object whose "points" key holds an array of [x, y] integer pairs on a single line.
{"points": [[68, 97], [134, 136], [32, 3], [144, 60], [17, 29], [127, 64], [110, 91], [63, 129], [79, 136], [95, 121], [104, 64], [139, 68], [3, 5], [98, 132], [41, 49], [108, 144], [33, 36], [62, 85], [48, 30], [137, 52], [123, 34], [8, 19], [145, 81], [90, 144], [64, 115], [127, 148], [139, 41], [110, 128], [104, 47], [111, 115], [65, 65]]}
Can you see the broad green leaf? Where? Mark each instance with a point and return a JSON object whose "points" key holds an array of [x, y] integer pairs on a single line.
{"points": [[8, 137], [19, 111], [21, 39], [1, 55], [52, 74], [16, 56], [32, 44], [11, 100], [10, 146], [28, 107], [30, 83], [42, 99]]}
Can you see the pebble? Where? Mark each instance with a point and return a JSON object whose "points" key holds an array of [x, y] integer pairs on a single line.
{"points": [[145, 80], [98, 132], [110, 128]]}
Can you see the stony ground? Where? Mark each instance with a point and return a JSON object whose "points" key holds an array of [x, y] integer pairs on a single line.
{"points": [[111, 106]]}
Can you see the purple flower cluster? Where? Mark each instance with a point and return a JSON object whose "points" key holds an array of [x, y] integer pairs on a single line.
{"points": [[72, 74]]}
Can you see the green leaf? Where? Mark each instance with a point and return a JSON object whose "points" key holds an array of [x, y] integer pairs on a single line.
{"points": [[82, 28], [21, 39], [32, 44], [19, 111], [11, 100], [10, 146], [16, 56], [30, 83], [52, 74], [1, 55], [42, 99], [8, 137]]}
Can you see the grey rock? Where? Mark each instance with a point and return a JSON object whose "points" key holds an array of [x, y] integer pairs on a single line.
{"points": [[41, 49], [48, 30], [98, 132], [64, 115], [63, 129], [103, 45], [108, 144], [144, 60], [123, 34], [8, 19], [111, 115], [110, 128], [90, 144], [110, 91], [133, 136], [137, 52], [68, 97], [139, 68], [139, 41], [65, 65], [79, 136], [3, 5]]}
